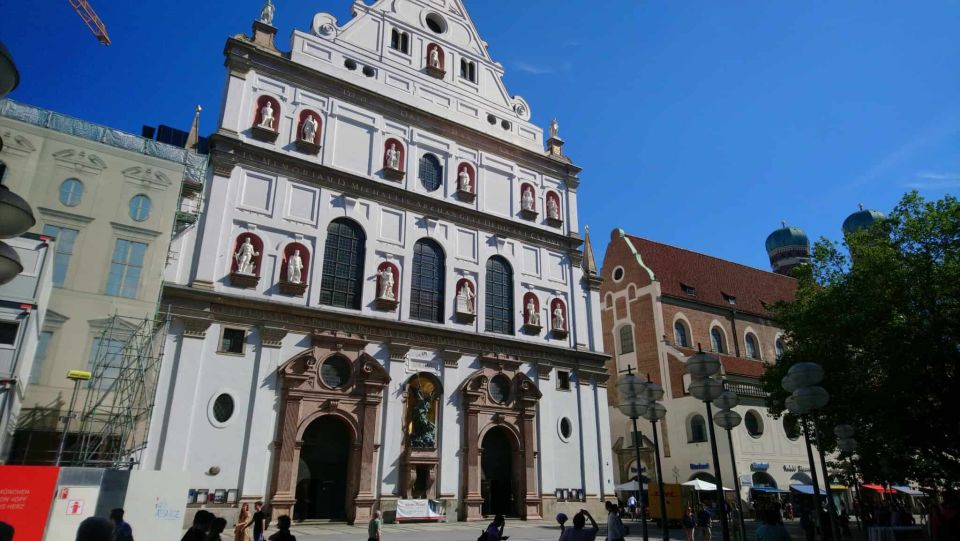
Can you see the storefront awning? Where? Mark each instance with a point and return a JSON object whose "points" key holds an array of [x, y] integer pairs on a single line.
{"points": [[908, 491], [770, 490], [880, 489], [806, 489]]}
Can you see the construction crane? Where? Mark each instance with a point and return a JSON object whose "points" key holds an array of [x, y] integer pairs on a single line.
{"points": [[93, 21]]}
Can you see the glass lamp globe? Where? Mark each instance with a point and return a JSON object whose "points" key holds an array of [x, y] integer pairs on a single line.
{"points": [[10, 265], [655, 412], [806, 374], [795, 407], [847, 445], [16, 216], [727, 400], [702, 365], [727, 419], [706, 389], [630, 386], [813, 397], [843, 432], [789, 384], [633, 409], [653, 392]]}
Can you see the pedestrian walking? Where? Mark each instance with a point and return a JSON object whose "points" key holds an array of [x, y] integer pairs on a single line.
{"points": [[283, 530], [703, 523], [241, 530], [121, 530], [689, 523], [373, 527], [616, 531], [95, 529], [216, 528], [579, 532], [259, 522], [201, 524], [632, 504], [771, 528]]}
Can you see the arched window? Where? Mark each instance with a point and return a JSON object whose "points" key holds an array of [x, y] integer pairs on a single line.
{"points": [[716, 340], [753, 423], [426, 287], [431, 172], [626, 339], [751, 345], [499, 296], [400, 41], [680, 334], [140, 207], [778, 346], [342, 281], [71, 191], [697, 431]]}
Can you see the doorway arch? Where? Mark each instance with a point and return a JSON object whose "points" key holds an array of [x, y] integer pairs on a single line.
{"points": [[498, 463], [322, 471], [764, 479]]}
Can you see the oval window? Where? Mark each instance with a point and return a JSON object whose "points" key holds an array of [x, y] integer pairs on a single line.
{"points": [[335, 372], [223, 408], [566, 428], [791, 426], [436, 23], [140, 207], [499, 388], [754, 424], [71, 191]]}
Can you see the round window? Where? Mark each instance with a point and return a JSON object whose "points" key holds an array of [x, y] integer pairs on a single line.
{"points": [[71, 191], [140, 208], [223, 408], [335, 372], [436, 23], [754, 424], [499, 388], [565, 428], [618, 274]]}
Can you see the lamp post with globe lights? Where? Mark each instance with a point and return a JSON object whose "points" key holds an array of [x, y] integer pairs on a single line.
{"points": [[656, 411], [728, 419], [847, 444], [633, 405], [702, 367]]}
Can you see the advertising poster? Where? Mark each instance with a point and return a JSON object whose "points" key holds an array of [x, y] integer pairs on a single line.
{"points": [[25, 496]]}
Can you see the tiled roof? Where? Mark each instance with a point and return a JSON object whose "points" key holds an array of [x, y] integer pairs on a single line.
{"points": [[738, 366], [714, 280]]}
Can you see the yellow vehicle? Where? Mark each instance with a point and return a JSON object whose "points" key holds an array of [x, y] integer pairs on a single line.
{"points": [[674, 500]]}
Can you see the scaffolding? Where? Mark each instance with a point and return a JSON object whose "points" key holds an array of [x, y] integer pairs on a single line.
{"points": [[115, 418]]}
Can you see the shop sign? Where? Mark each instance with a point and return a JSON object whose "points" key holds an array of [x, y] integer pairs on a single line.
{"points": [[703, 466], [759, 466]]}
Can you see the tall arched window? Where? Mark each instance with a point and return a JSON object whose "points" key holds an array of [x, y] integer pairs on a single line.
{"points": [[499, 296], [431, 173], [680, 332], [426, 286], [626, 339], [751, 344], [342, 281], [697, 430], [716, 340], [778, 346]]}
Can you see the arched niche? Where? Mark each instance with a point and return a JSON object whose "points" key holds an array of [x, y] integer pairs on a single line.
{"points": [[394, 158], [532, 323], [388, 286], [466, 182], [466, 300], [420, 461], [309, 130], [528, 201], [294, 269], [266, 119], [435, 61], [247, 257], [553, 208], [559, 320]]}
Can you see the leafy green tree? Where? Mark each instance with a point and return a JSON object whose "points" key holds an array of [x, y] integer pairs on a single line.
{"points": [[882, 317]]}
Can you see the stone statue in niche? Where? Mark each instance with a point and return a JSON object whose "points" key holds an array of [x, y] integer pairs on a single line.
{"points": [[435, 58], [393, 157], [309, 131], [295, 268], [559, 322], [465, 184], [423, 433], [554, 129], [533, 316], [266, 13], [526, 200], [385, 283], [465, 299], [244, 257], [266, 116], [553, 209]]}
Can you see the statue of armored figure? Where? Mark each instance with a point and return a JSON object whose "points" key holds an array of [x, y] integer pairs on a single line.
{"points": [[533, 316], [526, 200], [295, 268], [393, 157], [266, 116], [558, 319], [465, 299], [266, 13], [553, 209], [245, 256], [435, 58], [424, 431], [386, 285], [465, 183], [309, 131]]}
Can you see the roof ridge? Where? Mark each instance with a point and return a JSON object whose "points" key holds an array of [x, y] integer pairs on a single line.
{"points": [[713, 257]]}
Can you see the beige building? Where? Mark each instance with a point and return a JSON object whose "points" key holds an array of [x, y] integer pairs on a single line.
{"points": [[111, 199]]}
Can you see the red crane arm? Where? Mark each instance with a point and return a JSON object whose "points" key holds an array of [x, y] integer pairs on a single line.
{"points": [[85, 11]]}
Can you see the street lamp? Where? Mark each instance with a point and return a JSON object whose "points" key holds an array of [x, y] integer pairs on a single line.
{"points": [[727, 419], [9, 76], [801, 381], [702, 367], [633, 404], [656, 411], [848, 445], [77, 376]]}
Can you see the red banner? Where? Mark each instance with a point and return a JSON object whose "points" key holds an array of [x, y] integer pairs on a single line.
{"points": [[25, 496]]}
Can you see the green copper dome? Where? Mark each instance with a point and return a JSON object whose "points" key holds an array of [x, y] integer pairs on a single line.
{"points": [[786, 236], [861, 219]]}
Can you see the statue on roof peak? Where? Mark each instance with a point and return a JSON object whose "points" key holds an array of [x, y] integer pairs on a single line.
{"points": [[266, 13]]}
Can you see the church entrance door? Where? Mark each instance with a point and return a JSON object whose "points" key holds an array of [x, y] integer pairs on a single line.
{"points": [[499, 482], [322, 479]]}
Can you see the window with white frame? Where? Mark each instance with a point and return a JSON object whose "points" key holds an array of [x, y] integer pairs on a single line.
{"points": [[126, 266], [626, 339], [43, 343], [468, 70], [680, 334], [71, 191], [63, 250], [750, 341], [697, 430], [716, 340], [778, 346], [232, 340], [400, 41], [106, 360]]}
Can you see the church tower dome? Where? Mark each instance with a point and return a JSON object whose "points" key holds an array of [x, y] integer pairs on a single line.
{"points": [[787, 247], [861, 219]]}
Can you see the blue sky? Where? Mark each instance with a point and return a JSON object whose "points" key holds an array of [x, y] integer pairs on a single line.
{"points": [[698, 123]]}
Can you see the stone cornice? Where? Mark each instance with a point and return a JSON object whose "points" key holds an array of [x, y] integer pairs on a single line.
{"points": [[243, 56], [228, 151], [206, 306]]}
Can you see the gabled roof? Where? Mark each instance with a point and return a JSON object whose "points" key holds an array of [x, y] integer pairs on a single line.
{"points": [[714, 280]]}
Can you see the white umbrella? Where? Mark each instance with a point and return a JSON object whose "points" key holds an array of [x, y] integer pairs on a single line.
{"points": [[703, 486], [629, 486]]}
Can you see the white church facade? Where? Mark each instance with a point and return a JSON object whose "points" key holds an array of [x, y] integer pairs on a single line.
{"points": [[387, 295]]}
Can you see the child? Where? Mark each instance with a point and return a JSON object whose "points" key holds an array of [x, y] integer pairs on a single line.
{"points": [[283, 530]]}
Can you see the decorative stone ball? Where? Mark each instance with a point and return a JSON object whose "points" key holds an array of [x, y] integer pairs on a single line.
{"points": [[561, 518]]}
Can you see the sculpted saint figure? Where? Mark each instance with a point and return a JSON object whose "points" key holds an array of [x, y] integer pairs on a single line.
{"points": [[266, 116], [533, 318], [465, 299], [554, 128], [295, 268], [465, 184], [309, 131], [244, 257], [266, 13], [526, 200], [553, 209], [435, 57], [386, 284], [393, 157], [558, 321]]}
